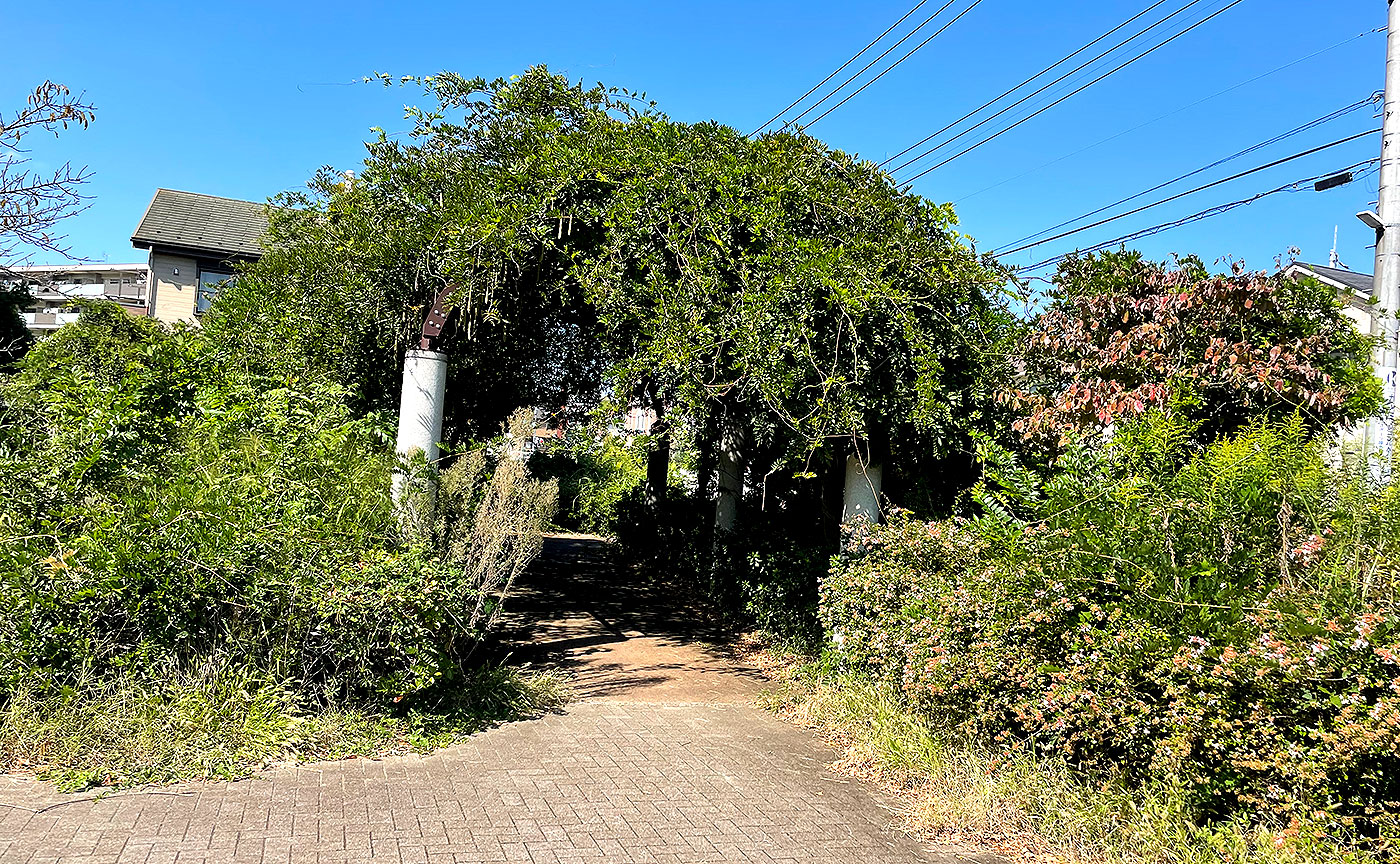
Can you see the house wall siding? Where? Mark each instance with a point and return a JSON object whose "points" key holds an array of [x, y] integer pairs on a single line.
{"points": [[174, 295], [1360, 317]]}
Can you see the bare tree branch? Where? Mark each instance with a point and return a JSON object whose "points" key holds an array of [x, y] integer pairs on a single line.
{"points": [[32, 204]]}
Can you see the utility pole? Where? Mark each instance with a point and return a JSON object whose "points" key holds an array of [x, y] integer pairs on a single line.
{"points": [[1387, 278]]}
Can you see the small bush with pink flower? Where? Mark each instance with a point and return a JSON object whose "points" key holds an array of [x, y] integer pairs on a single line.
{"points": [[1224, 617]]}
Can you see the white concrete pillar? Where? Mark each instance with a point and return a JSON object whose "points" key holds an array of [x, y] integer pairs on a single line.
{"points": [[730, 480], [862, 494], [421, 408]]}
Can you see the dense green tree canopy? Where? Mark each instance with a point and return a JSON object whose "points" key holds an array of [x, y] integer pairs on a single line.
{"points": [[352, 265], [795, 280], [596, 245]]}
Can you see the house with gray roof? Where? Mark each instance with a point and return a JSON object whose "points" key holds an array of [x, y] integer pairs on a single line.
{"points": [[195, 242], [1354, 290]]}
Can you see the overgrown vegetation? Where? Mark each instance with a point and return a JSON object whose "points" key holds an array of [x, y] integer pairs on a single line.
{"points": [[170, 515], [604, 256], [1223, 618], [1130, 608], [1023, 804], [1162, 593]]}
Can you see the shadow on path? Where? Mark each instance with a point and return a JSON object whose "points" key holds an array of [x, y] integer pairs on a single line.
{"points": [[578, 612]]}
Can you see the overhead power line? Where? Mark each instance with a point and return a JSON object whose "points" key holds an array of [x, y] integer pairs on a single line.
{"points": [[1180, 195], [1115, 70], [866, 67], [1216, 95], [888, 69], [1195, 217], [840, 69], [1044, 71], [1298, 130]]}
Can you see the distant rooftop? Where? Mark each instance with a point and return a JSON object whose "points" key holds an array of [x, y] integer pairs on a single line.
{"points": [[1361, 283], [202, 223], [85, 267]]}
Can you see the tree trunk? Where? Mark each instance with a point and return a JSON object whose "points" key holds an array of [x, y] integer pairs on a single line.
{"points": [[707, 459], [658, 459]]}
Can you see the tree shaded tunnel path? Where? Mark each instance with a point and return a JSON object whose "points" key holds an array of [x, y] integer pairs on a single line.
{"points": [[664, 758], [576, 611]]}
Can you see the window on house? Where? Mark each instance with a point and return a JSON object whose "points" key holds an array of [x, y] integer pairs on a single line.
{"points": [[210, 282]]}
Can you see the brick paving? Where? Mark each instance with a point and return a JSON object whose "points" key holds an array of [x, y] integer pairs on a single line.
{"points": [[664, 759]]}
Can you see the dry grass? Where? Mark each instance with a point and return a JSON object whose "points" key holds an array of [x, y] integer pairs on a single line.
{"points": [[492, 523], [1010, 803]]}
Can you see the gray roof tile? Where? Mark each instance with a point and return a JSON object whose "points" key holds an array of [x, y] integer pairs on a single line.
{"points": [[1359, 282], [202, 223]]}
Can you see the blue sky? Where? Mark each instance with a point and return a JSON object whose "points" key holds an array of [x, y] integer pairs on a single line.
{"points": [[249, 99]]}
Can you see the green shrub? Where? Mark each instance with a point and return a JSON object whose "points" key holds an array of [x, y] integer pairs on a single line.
{"points": [[765, 573], [1223, 616], [974, 795], [594, 476], [163, 508]]}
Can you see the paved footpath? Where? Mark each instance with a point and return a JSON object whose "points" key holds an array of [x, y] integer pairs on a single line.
{"points": [[663, 759]]}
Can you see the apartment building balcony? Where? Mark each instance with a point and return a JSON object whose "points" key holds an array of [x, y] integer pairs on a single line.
{"points": [[126, 291], [48, 320]]}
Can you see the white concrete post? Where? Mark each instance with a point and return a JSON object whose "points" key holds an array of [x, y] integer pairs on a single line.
{"points": [[731, 479], [862, 493], [420, 409]]}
